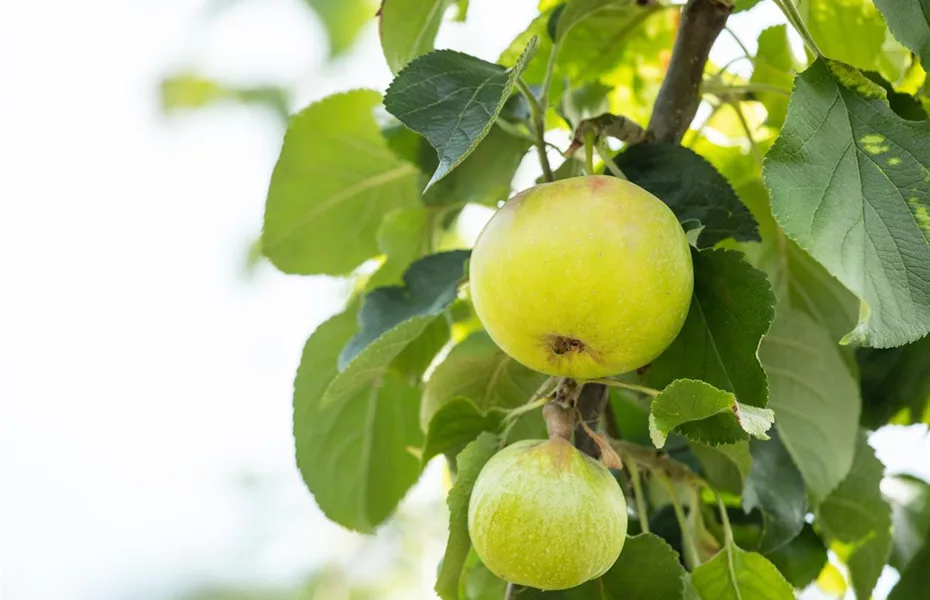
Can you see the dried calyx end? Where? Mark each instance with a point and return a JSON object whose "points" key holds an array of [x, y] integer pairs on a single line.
{"points": [[561, 344]]}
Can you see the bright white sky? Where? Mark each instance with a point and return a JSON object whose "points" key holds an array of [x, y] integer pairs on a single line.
{"points": [[145, 381]]}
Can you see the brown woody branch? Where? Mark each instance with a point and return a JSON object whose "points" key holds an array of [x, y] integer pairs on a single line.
{"points": [[677, 103], [680, 94]]}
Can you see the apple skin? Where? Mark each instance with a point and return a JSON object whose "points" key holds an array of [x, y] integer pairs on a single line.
{"points": [[544, 515], [585, 277]]}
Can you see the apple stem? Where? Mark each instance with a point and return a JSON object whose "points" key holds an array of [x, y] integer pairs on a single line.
{"points": [[692, 558], [559, 421], [638, 494]]}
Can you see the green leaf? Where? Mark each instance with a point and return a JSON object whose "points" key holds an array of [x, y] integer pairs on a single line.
{"points": [[776, 488], [187, 90], [730, 312], [408, 29], [815, 399], [452, 99], [725, 467], [352, 448], [598, 39], [469, 464], [895, 381], [402, 238], [741, 5], [479, 371], [798, 280], [832, 22], [343, 20], [478, 583], [485, 176], [417, 356], [430, 285], [915, 579], [648, 569], [904, 105], [910, 516], [457, 423], [850, 183], [740, 576], [774, 65], [856, 515], [705, 414], [801, 559], [322, 194], [692, 188], [909, 21]]}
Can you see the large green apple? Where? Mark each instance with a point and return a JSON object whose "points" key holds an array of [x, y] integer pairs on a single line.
{"points": [[584, 277], [543, 514]]}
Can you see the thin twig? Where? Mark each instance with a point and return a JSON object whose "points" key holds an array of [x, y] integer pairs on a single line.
{"points": [[609, 162], [739, 42], [756, 153], [628, 386], [726, 91], [692, 559], [638, 494], [511, 592], [538, 116], [794, 17], [727, 540], [658, 463]]}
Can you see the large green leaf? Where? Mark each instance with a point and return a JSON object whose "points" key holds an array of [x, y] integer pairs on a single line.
{"points": [[479, 371], [832, 23], [469, 464], [352, 448], [910, 516], [909, 21], [915, 579], [850, 183], [725, 467], [857, 516], [776, 488], [408, 29], [596, 36], [695, 191], [430, 285], [735, 574], [895, 383], [343, 20], [801, 559], [485, 176], [798, 280], [335, 181], [402, 238], [731, 310], [705, 414], [774, 65], [457, 423], [648, 569], [452, 99], [815, 399]]}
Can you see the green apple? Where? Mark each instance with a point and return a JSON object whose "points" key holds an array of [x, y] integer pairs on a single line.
{"points": [[544, 515], [584, 277]]}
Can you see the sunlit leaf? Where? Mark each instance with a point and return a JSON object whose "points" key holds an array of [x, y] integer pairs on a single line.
{"points": [[850, 182]]}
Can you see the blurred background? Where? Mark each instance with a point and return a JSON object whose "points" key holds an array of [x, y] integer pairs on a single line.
{"points": [[146, 356]]}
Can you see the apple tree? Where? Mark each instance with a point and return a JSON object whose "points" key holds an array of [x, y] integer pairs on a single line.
{"points": [[801, 196]]}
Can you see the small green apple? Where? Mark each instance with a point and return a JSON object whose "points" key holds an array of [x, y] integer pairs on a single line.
{"points": [[584, 277], [544, 515]]}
